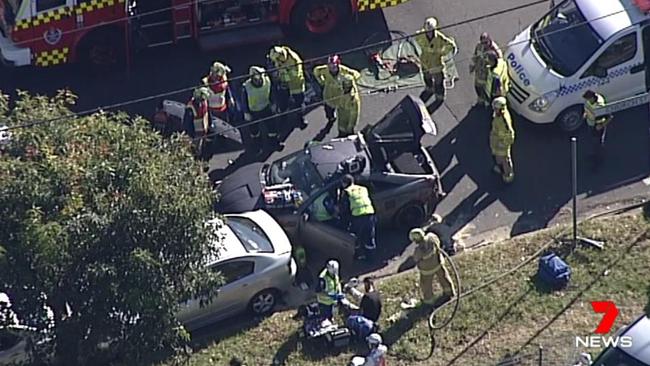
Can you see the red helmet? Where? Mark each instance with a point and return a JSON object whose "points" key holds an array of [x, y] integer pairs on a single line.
{"points": [[334, 60]]}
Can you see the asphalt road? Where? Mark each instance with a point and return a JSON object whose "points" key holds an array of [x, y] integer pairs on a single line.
{"points": [[477, 207]]}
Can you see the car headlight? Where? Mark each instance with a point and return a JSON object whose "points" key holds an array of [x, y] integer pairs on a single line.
{"points": [[542, 103]]}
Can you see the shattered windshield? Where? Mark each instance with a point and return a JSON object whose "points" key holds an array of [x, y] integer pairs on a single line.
{"points": [[564, 39], [296, 169]]}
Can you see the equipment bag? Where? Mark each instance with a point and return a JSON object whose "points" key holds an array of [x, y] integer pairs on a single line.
{"points": [[554, 271], [338, 338]]}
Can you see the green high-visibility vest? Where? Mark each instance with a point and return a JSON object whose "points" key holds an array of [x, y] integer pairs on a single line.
{"points": [[500, 72], [360, 203], [319, 210], [258, 97], [332, 287], [589, 111]]}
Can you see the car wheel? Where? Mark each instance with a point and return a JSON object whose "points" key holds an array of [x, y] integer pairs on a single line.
{"points": [[413, 214], [263, 302], [570, 119]]}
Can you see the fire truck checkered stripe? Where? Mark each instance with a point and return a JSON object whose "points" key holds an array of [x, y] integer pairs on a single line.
{"points": [[59, 13], [377, 4], [44, 18], [95, 5], [52, 57]]}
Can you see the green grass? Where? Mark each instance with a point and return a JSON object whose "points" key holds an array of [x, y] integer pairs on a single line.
{"points": [[511, 316]]}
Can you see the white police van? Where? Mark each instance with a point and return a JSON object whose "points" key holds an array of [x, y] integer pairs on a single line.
{"points": [[603, 45]]}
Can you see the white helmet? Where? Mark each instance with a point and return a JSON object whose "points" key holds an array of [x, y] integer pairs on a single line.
{"points": [[430, 24], [333, 267], [278, 53], [374, 340], [499, 103]]}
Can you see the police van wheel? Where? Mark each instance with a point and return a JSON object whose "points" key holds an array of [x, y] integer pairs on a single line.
{"points": [[570, 119]]}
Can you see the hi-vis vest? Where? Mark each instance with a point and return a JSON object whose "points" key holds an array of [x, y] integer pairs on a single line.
{"points": [[319, 210], [217, 100], [360, 203], [589, 111], [258, 97], [332, 288], [500, 72], [198, 115]]}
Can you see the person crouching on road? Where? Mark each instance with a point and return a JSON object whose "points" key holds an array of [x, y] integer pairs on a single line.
{"points": [[431, 262], [479, 64], [289, 79], [598, 126], [434, 46], [502, 136], [328, 77], [328, 290], [256, 105], [357, 210], [349, 106]]}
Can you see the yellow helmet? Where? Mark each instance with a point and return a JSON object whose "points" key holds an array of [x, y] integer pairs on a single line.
{"points": [[278, 53], [201, 93], [416, 235], [219, 69], [430, 24], [499, 103]]}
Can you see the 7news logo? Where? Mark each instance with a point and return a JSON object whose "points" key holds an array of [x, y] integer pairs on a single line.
{"points": [[610, 313]]}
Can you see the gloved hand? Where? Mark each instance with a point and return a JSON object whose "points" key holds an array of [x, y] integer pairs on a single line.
{"points": [[248, 117], [338, 297]]}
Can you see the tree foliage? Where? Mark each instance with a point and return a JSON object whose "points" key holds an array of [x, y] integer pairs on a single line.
{"points": [[102, 224]]}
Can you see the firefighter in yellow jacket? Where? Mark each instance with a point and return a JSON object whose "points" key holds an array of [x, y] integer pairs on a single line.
{"points": [[431, 262], [289, 78], [434, 45], [349, 106], [502, 136], [329, 77], [497, 83]]}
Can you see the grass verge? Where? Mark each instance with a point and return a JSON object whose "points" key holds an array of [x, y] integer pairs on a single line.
{"points": [[510, 317]]}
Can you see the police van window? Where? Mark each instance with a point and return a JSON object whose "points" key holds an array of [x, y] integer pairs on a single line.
{"points": [[621, 51], [42, 5]]}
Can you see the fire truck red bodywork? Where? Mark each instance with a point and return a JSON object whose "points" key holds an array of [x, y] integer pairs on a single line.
{"points": [[87, 30]]}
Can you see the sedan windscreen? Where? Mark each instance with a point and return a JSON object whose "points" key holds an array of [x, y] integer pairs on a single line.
{"points": [[250, 235], [298, 170]]}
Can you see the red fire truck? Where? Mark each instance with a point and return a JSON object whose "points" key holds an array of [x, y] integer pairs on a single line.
{"points": [[105, 32]]}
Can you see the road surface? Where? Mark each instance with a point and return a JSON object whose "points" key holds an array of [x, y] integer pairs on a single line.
{"points": [[477, 207]]}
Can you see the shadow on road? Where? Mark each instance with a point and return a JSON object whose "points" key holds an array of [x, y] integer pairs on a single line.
{"points": [[542, 164]]}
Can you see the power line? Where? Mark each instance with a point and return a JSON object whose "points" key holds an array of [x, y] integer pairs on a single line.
{"points": [[350, 50]]}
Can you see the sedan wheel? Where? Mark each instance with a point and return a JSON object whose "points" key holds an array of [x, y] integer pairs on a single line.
{"points": [[263, 303]]}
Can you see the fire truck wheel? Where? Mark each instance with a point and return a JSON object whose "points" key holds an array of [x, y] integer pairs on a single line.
{"points": [[317, 17], [101, 50]]}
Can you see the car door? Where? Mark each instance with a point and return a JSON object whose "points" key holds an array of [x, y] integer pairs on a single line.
{"points": [[617, 72], [234, 295], [323, 241], [228, 301]]}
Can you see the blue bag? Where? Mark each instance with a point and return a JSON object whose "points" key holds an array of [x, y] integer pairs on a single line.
{"points": [[360, 325], [554, 271]]}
